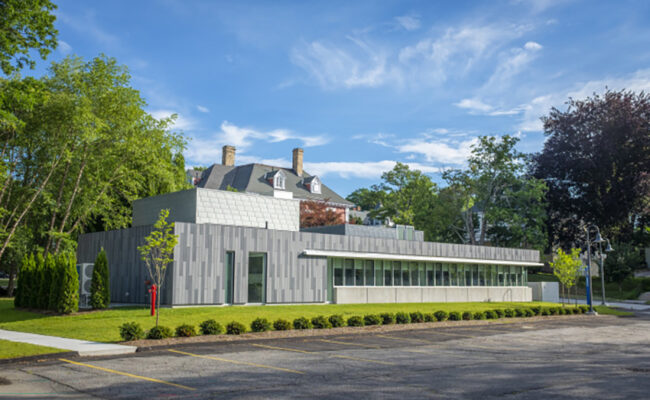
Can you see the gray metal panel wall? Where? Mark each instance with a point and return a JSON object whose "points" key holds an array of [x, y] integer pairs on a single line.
{"points": [[181, 205], [128, 272]]}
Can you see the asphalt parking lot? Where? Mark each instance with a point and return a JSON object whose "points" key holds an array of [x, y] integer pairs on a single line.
{"points": [[596, 358]]}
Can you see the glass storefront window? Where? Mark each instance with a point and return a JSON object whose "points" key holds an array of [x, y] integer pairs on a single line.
{"points": [[370, 272], [358, 272], [423, 273], [430, 275], [349, 272], [406, 280], [338, 272], [415, 281], [397, 273], [379, 275], [388, 273]]}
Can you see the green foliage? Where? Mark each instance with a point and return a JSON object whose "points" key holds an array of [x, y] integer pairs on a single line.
{"points": [[355, 320], [499, 312], [38, 281], [260, 325], [68, 298], [479, 315], [621, 263], [235, 328], [231, 189], [336, 320], [583, 308], [372, 319], [416, 317], [302, 323], [321, 322], [131, 331], [100, 294], [519, 312], [387, 318], [429, 317], [490, 314], [25, 26], [185, 330], [468, 316], [57, 280], [455, 316], [537, 310], [159, 332], [49, 269], [402, 318], [210, 327], [566, 267], [158, 252], [528, 312], [441, 315], [545, 311], [281, 325], [509, 312]]}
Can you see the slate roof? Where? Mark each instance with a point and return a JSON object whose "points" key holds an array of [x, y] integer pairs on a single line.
{"points": [[251, 178]]}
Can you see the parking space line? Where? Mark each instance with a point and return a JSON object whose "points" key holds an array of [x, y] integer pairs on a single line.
{"points": [[412, 340], [350, 343], [237, 362], [454, 334], [144, 378], [327, 355]]}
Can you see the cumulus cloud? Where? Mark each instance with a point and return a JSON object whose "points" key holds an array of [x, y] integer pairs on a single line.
{"points": [[202, 109], [369, 170], [474, 105], [181, 122], [439, 151]]}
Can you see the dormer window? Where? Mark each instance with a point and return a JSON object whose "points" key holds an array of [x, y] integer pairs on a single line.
{"points": [[277, 179], [313, 184]]}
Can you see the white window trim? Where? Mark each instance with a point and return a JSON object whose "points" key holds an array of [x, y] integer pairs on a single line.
{"points": [[315, 186], [279, 181]]}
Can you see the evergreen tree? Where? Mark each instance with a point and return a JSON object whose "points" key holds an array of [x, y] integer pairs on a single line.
{"points": [[20, 287], [69, 289], [37, 281], [55, 285], [49, 269], [28, 282], [100, 295]]}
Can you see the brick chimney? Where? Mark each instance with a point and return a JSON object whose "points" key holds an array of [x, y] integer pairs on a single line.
{"points": [[228, 156], [297, 161]]}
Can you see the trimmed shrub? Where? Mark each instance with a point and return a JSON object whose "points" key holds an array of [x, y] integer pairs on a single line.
{"points": [[46, 285], [519, 312], [69, 289], [402, 318], [545, 311], [131, 331], [441, 315], [417, 317], [260, 325], [321, 322], [355, 320], [537, 310], [584, 308], [100, 294], [185, 330], [509, 312], [57, 276], [528, 312], [159, 332], [372, 319], [302, 323], [562, 311], [499, 312], [553, 310], [479, 315], [455, 316], [235, 328], [336, 320], [576, 310], [210, 327], [467, 316], [282, 325], [387, 318], [490, 314], [429, 317]]}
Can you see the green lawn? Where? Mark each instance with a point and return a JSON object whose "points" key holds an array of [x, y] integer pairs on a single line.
{"points": [[12, 349], [604, 310], [103, 325]]}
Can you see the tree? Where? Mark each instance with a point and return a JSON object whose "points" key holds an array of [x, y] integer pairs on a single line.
{"points": [[25, 25], [46, 285], [622, 262], [158, 252], [368, 198], [68, 299], [317, 213], [100, 294], [596, 163], [566, 267], [493, 200]]}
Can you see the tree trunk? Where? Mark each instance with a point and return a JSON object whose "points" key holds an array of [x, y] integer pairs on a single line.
{"points": [[58, 204], [72, 198]]}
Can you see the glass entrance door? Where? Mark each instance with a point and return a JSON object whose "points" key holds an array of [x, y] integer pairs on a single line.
{"points": [[230, 276], [256, 277]]}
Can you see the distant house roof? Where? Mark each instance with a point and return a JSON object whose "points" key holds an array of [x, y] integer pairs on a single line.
{"points": [[252, 178]]}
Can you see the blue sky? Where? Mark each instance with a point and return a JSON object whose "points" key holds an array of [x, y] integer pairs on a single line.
{"points": [[360, 85]]}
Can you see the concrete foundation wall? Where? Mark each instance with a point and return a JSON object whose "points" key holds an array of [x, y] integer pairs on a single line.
{"points": [[545, 291], [357, 295]]}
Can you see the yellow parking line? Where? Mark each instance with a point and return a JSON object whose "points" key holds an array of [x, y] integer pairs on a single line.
{"points": [[237, 362], [144, 378], [282, 348], [350, 343], [364, 359]]}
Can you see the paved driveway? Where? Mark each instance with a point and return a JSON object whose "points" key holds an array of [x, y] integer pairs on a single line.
{"points": [[596, 358]]}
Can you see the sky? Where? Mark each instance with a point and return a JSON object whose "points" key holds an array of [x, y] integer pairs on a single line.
{"points": [[361, 85]]}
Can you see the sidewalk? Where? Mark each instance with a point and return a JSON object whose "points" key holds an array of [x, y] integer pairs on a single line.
{"points": [[82, 347], [617, 304]]}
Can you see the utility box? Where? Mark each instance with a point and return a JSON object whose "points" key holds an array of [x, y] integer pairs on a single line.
{"points": [[85, 272], [545, 291]]}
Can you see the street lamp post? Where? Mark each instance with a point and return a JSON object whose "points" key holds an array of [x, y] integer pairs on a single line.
{"points": [[597, 240], [602, 269]]}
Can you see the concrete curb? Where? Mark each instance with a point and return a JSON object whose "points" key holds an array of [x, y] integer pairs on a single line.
{"points": [[84, 348]]}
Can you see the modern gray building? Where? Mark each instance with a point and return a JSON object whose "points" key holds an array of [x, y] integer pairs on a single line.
{"points": [[239, 248]]}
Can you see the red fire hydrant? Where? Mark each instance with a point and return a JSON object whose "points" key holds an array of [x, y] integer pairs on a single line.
{"points": [[152, 290]]}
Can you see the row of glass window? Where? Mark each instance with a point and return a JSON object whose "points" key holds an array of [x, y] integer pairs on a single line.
{"points": [[357, 272]]}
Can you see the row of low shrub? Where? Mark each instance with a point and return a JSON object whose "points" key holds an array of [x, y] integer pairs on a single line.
{"points": [[133, 330]]}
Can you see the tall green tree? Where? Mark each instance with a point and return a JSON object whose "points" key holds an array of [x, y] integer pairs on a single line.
{"points": [[158, 252], [68, 299], [566, 267], [596, 163], [100, 293], [25, 26]]}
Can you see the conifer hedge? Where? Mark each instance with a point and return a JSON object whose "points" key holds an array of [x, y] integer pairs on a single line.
{"points": [[100, 295]]}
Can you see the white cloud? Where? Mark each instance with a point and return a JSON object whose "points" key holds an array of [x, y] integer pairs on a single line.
{"points": [[541, 105], [438, 151], [514, 62], [182, 122], [208, 150], [64, 48], [532, 46], [368, 170], [474, 105], [408, 22], [202, 109]]}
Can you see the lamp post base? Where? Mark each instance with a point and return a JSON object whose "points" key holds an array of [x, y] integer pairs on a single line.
{"points": [[591, 313]]}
